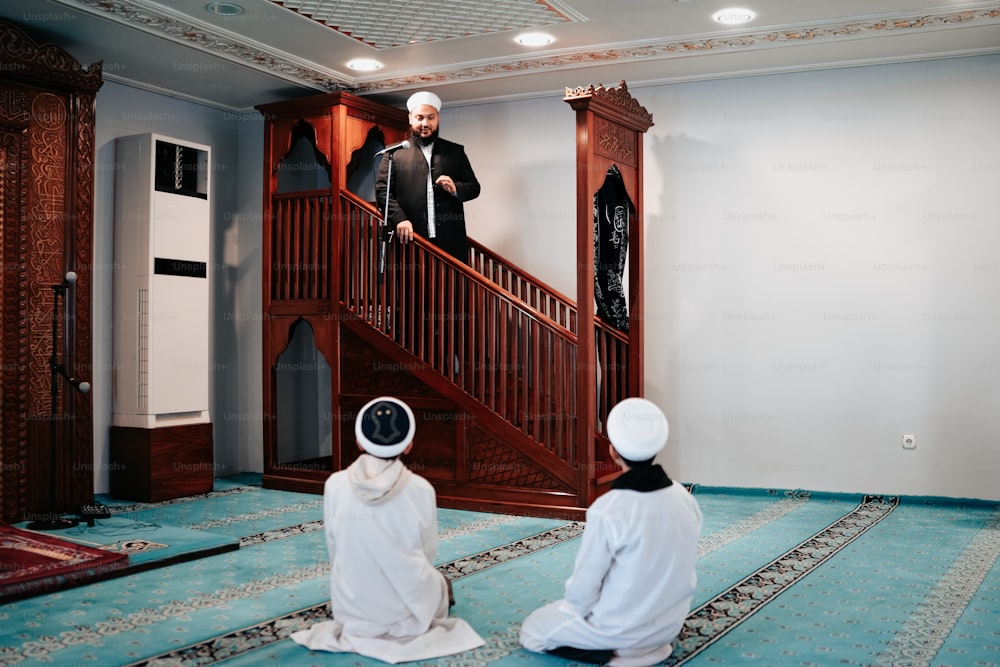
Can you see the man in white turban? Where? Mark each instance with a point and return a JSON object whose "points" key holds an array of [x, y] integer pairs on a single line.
{"points": [[425, 195], [387, 599], [634, 577], [431, 181]]}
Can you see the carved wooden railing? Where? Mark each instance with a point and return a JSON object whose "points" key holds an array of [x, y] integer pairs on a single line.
{"points": [[301, 236], [557, 307], [509, 356], [611, 344]]}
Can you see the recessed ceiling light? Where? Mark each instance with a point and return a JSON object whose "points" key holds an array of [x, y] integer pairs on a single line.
{"points": [[534, 39], [223, 8], [734, 16], [364, 64]]}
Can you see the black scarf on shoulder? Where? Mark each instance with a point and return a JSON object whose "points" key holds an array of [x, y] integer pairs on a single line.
{"points": [[643, 479]]}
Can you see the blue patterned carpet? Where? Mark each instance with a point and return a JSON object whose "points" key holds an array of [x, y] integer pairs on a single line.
{"points": [[785, 578]]}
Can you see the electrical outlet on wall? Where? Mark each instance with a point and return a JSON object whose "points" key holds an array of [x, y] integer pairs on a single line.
{"points": [[910, 441]]}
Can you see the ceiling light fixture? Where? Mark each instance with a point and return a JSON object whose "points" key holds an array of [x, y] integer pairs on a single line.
{"points": [[534, 39], [223, 8], [734, 16], [364, 64]]}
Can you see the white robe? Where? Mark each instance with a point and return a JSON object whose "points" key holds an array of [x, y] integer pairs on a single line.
{"points": [[633, 581], [387, 599]]}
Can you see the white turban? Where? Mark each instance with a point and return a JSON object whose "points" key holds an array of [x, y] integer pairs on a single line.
{"points": [[385, 427], [637, 429], [423, 97]]}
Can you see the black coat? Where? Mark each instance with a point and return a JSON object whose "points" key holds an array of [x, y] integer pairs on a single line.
{"points": [[408, 193]]}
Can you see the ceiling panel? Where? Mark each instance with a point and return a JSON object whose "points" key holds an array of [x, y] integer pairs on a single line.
{"points": [[464, 49]]}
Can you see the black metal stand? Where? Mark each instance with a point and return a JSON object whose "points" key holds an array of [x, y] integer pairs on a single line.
{"points": [[384, 233], [57, 370]]}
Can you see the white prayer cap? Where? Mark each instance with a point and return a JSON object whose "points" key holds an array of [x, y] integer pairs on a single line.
{"points": [[638, 429], [385, 427], [423, 97]]}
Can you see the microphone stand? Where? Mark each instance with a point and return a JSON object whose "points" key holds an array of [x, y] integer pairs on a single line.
{"points": [[57, 369], [384, 233]]}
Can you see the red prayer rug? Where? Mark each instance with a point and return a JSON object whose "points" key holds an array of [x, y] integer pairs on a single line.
{"points": [[33, 563]]}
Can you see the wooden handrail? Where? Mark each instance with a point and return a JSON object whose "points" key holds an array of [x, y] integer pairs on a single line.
{"points": [[526, 287], [519, 282], [509, 356], [502, 269]]}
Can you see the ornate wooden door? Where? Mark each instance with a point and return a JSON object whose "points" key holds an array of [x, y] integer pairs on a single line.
{"points": [[46, 222]]}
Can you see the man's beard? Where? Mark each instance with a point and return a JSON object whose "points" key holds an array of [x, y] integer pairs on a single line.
{"points": [[423, 141]]}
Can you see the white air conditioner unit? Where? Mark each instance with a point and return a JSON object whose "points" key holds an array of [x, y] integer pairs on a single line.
{"points": [[160, 334]]}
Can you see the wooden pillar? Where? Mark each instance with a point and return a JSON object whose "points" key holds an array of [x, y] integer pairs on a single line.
{"points": [[609, 128]]}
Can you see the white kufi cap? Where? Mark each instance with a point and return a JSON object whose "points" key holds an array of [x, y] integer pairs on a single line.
{"points": [[423, 97], [638, 429], [385, 427]]}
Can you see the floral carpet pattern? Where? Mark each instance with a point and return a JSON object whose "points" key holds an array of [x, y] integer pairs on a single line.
{"points": [[785, 578]]}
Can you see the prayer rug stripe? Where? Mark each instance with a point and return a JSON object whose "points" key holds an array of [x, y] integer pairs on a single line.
{"points": [[467, 528], [922, 636], [281, 533], [267, 513], [114, 508], [709, 543], [713, 620]]}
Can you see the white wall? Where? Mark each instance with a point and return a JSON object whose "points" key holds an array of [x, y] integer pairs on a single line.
{"points": [[821, 271]]}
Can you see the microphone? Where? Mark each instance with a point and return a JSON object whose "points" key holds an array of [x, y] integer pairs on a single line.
{"points": [[395, 147], [67, 281]]}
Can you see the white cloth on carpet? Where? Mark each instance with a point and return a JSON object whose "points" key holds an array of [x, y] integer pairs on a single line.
{"points": [[387, 599]]}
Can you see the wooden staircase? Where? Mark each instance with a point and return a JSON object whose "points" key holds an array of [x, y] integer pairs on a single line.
{"points": [[487, 355]]}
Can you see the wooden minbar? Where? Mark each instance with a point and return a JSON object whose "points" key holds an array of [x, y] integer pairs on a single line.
{"points": [[511, 398]]}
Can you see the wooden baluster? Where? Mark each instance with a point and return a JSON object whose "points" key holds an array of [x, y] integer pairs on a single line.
{"points": [[315, 252], [461, 327], [351, 260], [479, 340], [281, 250], [295, 261], [535, 403]]}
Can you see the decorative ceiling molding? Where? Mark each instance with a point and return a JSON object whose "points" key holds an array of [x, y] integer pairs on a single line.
{"points": [[219, 43], [681, 48], [248, 53], [423, 21]]}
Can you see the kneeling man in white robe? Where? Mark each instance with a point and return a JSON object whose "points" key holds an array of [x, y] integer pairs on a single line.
{"points": [[634, 576], [387, 599]]}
